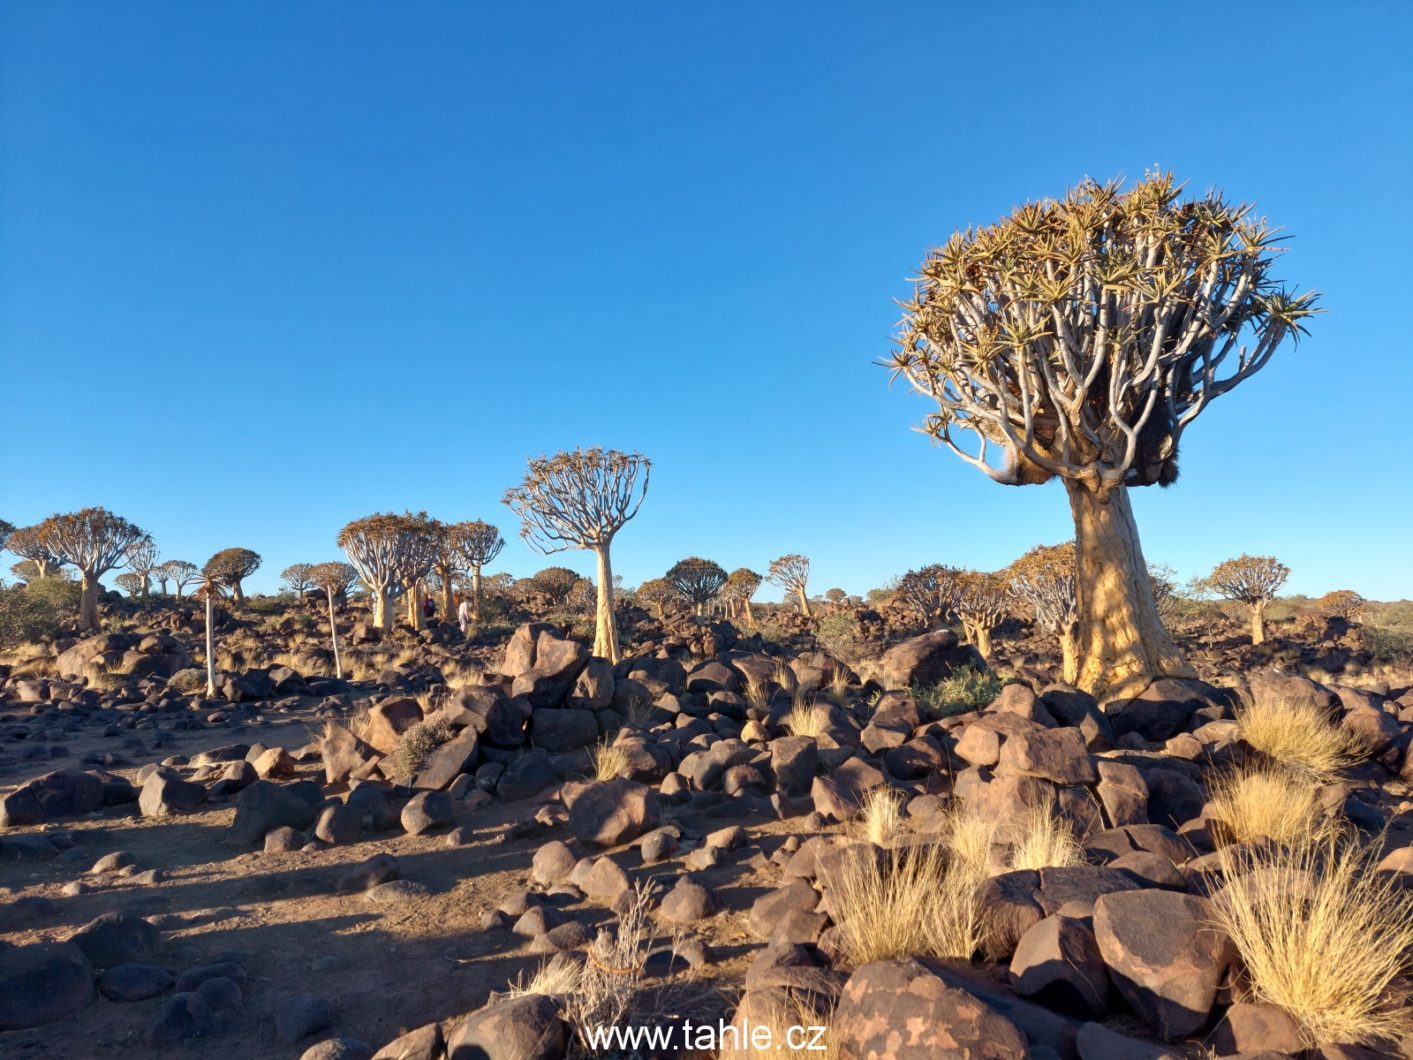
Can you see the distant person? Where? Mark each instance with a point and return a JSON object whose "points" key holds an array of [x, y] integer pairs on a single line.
{"points": [[463, 614]]}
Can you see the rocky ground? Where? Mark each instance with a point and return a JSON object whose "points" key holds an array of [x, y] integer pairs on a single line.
{"points": [[323, 868]]}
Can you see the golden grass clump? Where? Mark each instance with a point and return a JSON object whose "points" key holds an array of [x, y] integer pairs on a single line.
{"points": [[560, 975], [609, 760], [1265, 801], [839, 685], [909, 901], [1043, 839], [796, 1028], [757, 693], [805, 719], [1298, 735], [1322, 936], [972, 837], [880, 818]]}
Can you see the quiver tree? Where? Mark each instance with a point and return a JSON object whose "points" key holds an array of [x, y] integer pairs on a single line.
{"points": [[28, 543], [447, 566], [741, 585], [697, 581], [1079, 338], [479, 543], [141, 559], [391, 552], [581, 499], [792, 573], [656, 593], [6, 529], [981, 607], [555, 584], [230, 567], [181, 572], [211, 589], [1253, 581], [1044, 578], [130, 583], [334, 580], [930, 592], [95, 541], [1342, 603], [297, 578]]}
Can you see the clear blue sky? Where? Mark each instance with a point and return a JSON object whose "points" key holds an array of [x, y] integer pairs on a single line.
{"points": [[268, 267]]}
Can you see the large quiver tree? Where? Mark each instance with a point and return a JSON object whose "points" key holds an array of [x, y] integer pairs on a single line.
{"points": [[697, 581], [478, 543], [741, 585], [1078, 338], [391, 553], [581, 499], [230, 567], [95, 541], [28, 542], [792, 573]]}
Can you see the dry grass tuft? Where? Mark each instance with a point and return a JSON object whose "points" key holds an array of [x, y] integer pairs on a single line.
{"points": [[416, 744], [757, 693], [1298, 735], [880, 818], [609, 760], [1043, 839], [1268, 801], [912, 901], [817, 1038], [612, 971], [1322, 936], [973, 839], [839, 685], [559, 976], [805, 718]]}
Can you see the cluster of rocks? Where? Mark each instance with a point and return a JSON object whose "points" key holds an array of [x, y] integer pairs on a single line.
{"points": [[701, 749]]}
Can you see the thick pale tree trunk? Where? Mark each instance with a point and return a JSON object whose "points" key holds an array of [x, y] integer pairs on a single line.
{"points": [[334, 633], [476, 594], [1069, 654], [804, 602], [210, 648], [605, 629], [382, 608], [88, 602], [1258, 622], [448, 603], [1121, 642], [238, 593], [750, 615], [414, 605], [981, 640]]}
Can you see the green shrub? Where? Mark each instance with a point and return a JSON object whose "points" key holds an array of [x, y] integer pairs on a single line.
{"points": [[838, 634], [1389, 645], [965, 690], [30, 613]]}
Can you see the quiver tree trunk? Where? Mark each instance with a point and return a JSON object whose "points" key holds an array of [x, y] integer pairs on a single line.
{"points": [[210, 647], [475, 594], [237, 593], [1120, 641], [981, 640], [804, 602], [88, 602], [414, 605], [382, 608], [750, 615], [334, 635], [1258, 622], [605, 630], [1069, 654], [448, 600]]}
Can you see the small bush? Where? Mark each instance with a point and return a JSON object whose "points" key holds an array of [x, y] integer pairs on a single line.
{"points": [[37, 611], [1389, 645], [966, 690], [192, 679], [417, 743], [839, 635], [1322, 936]]}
